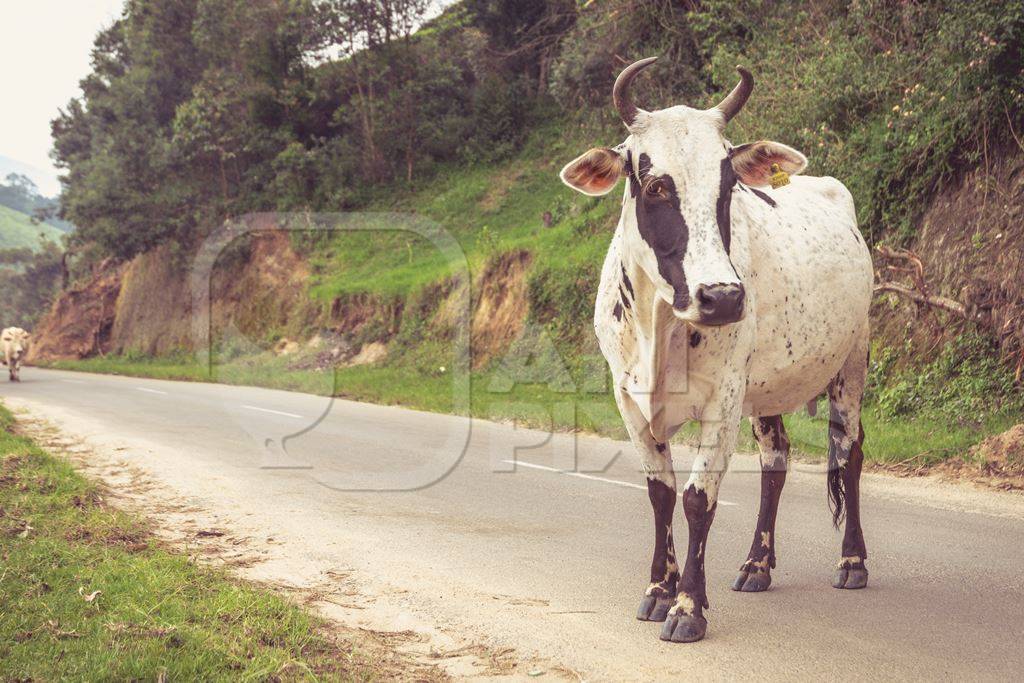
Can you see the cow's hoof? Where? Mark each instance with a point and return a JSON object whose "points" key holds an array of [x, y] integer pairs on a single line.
{"points": [[680, 628], [850, 574], [653, 608], [752, 582], [850, 578]]}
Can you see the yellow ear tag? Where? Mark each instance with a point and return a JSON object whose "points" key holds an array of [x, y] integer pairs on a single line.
{"points": [[778, 177]]}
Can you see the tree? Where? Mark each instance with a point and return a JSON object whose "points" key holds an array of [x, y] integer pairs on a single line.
{"points": [[121, 188], [187, 104], [525, 33], [19, 193], [369, 33], [30, 281]]}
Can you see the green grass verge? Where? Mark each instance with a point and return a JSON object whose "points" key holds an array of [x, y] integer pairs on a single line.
{"points": [[156, 613], [925, 439]]}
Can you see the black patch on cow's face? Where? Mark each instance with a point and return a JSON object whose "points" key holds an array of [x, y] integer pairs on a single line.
{"points": [[660, 221], [694, 339], [723, 205], [617, 311], [765, 198]]}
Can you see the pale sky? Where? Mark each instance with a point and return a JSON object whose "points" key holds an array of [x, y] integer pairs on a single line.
{"points": [[44, 52]]}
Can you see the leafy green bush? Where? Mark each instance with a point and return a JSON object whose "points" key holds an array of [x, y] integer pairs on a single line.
{"points": [[501, 113], [608, 36], [30, 281], [893, 98], [562, 299], [964, 383]]}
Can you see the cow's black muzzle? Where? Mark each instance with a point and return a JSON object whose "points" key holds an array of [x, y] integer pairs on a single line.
{"points": [[720, 304]]}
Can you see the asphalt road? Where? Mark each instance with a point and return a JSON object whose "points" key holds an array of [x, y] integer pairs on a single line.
{"points": [[554, 564]]}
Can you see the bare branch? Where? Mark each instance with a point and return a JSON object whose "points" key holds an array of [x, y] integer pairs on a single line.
{"points": [[903, 255], [942, 302]]}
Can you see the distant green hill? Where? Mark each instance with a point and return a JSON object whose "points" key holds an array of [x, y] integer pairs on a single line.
{"points": [[18, 230]]}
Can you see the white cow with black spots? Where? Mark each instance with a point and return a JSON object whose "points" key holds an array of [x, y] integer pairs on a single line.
{"points": [[15, 343], [724, 296]]}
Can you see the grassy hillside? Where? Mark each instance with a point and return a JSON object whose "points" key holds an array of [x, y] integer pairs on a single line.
{"points": [[497, 209], [490, 209], [18, 231]]}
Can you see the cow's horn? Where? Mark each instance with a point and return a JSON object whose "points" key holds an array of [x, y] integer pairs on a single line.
{"points": [[620, 93], [735, 100]]}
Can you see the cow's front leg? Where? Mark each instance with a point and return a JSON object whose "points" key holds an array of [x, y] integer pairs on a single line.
{"points": [[755, 574], [660, 593], [686, 622], [656, 460]]}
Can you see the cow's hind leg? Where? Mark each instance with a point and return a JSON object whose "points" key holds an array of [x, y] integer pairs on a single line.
{"points": [[755, 574], [845, 460], [656, 459]]}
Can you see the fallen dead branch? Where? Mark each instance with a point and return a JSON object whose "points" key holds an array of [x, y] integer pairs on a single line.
{"points": [[942, 302], [919, 291]]}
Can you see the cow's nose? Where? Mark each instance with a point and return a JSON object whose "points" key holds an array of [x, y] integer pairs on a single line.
{"points": [[720, 304]]}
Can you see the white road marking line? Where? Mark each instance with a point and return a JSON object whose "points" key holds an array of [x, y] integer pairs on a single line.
{"points": [[151, 391], [73, 381], [275, 412], [592, 477]]}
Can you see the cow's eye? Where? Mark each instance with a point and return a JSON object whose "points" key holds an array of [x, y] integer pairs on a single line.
{"points": [[656, 190]]}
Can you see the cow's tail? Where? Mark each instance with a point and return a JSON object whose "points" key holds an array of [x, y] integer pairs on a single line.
{"points": [[836, 491]]}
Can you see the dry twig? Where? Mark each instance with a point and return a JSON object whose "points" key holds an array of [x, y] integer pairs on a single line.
{"points": [[942, 302]]}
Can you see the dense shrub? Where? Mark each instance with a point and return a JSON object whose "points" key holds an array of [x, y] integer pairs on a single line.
{"points": [[30, 281], [607, 38], [964, 383], [894, 98]]}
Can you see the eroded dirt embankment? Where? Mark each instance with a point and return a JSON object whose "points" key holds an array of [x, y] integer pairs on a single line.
{"points": [[258, 292], [970, 243], [145, 306], [80, 321]]}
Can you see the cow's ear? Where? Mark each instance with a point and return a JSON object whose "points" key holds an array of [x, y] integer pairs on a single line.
{"points": [[595, 172], [753, 161]]}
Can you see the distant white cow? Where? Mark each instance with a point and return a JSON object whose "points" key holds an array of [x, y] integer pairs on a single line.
{"points": [[15, 345]]}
